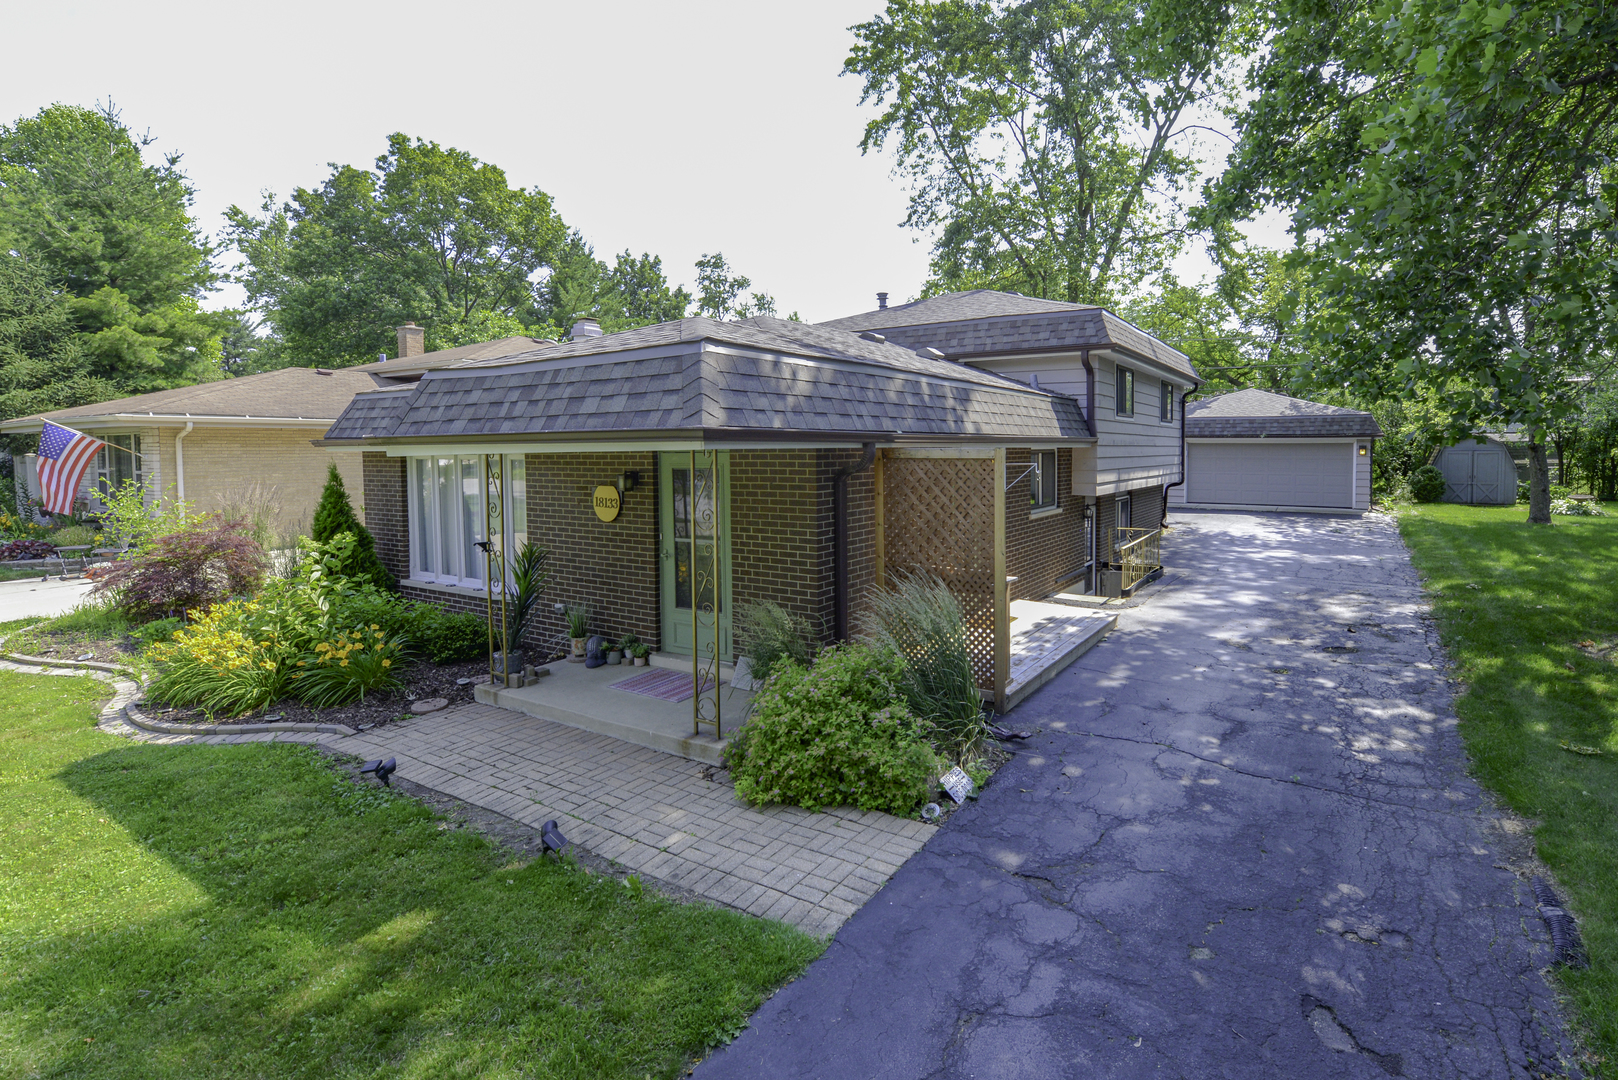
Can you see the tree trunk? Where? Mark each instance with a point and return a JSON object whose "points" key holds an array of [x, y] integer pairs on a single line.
{"points": [[1539, 484]]}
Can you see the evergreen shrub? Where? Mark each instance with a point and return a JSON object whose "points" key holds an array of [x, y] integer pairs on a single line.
{"points": [[335, 515], [1427, 484]]}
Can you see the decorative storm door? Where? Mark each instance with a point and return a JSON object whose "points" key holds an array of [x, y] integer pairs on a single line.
{"points": [[694, 528]]}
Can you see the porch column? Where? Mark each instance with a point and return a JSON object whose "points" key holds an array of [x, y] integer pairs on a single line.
{"points": [[1002, 602]]}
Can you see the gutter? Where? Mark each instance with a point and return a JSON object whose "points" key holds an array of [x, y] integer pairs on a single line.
{"points": [[839, 513], [179, 461], [1183, 399]]}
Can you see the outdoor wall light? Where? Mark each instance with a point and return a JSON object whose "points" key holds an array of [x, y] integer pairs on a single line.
{"points": [[627, 481], [1362, 451]]}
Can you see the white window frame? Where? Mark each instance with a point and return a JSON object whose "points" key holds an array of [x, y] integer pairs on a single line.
{"points": [[104, 468], [1040, 484], [1123, 403], [434, 560], [1165, 404]]}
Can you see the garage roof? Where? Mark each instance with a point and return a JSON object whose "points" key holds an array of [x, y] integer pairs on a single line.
{"points": [[1247, 414]]}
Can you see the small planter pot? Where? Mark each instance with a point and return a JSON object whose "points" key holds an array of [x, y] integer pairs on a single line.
{"points": [[642, 661], [577, 655], [509, 664], [615, 657]]}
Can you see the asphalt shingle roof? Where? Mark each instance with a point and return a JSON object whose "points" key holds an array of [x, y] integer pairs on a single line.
{"points": [[982, 322], [699, 386], [462, 354], [284, 394], [1257, 413]]}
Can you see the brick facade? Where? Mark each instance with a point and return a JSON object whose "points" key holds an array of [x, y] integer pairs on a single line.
{"points": [[1050, 548], [781, 537]]}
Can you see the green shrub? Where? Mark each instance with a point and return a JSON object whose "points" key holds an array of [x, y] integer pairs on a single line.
{"points": [[157, 630], [769, 634], [206, 562], [335, 516], [1427, 484], [921, 620], [1577, 508], [837, 733], [446, 636], [73, 536]]}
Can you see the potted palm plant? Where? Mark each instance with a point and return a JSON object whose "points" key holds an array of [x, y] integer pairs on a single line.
{"points": [[578, 630], [530, 574]]}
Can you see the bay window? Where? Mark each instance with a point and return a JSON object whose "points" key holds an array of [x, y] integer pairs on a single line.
{"points": [[449, 516]]}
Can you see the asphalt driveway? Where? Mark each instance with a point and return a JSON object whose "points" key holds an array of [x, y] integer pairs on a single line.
{"points": [[1243, 844]]}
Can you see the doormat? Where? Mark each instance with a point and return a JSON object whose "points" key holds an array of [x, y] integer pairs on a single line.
{"points": [[662, 684]]}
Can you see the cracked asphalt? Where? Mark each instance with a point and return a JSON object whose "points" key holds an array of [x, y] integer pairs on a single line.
{"points": [[1242, 844]]}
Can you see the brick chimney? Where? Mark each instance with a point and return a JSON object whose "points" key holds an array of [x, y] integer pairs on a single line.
{"points": [[412, 341]]}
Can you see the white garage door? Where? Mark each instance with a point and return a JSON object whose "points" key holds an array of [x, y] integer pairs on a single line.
{"points": [[1271, 474]]}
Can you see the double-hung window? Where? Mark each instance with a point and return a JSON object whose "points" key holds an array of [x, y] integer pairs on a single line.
{"points": [[118, 463], [449, 516], [1042, 480], [1124, 392], [1165, 402]]}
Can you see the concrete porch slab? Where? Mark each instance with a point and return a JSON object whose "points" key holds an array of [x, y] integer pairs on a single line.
{"points": [[1047, 637], [583, 698]]}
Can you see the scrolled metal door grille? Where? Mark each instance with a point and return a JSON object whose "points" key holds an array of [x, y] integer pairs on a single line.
{"points": [[706, 591], [494, 568]]}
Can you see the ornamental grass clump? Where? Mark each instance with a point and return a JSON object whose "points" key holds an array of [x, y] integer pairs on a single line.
{"points": [[343, 669], [770, 634], [218, 665], [919, 618], [837, 733]]}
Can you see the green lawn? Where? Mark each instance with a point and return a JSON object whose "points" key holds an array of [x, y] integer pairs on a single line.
{"points": [[1514, 603], [246, 911]]}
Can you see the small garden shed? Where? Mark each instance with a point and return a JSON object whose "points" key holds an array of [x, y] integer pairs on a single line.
{"points": [[1478, 472]]}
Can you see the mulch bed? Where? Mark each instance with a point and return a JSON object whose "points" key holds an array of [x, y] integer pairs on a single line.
{"points": [[422, 681]]}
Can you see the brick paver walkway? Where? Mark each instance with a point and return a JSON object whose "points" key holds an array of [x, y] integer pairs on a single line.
{"points": [[651, 812]]}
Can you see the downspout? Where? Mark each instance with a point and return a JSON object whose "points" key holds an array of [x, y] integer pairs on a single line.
{"points": [[179, 462], [1185, 397], [1089, 393], [839, 514]]}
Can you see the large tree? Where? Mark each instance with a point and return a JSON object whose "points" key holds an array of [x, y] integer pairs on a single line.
{"points": [[42, 363], [1047, 142], [81, 203], [631, 292], [1449, 167], [432, 235]]}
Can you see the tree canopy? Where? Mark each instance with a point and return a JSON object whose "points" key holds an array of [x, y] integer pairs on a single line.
{"points": [[82, 206], [432, 235], [1045, 141], [1449, 168]]}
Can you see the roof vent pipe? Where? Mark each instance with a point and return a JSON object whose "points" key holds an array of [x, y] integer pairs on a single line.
{"points": [[882, 301], [412, 341], [585, 328]]}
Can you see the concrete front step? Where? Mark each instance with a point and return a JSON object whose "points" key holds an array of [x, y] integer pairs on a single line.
{"points": [[583, 698]]}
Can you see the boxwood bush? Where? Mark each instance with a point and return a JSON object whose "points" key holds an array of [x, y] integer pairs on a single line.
{"points": [[837, 733], [1427, 484]]}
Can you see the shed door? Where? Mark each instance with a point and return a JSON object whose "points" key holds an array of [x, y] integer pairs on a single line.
{"points": [[1312, 475]]}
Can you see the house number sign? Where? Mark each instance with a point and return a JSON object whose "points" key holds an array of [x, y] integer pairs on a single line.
{"points": [[607, 502]]}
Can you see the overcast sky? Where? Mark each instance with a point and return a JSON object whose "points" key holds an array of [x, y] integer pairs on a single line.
{"points": [[677, 129]]}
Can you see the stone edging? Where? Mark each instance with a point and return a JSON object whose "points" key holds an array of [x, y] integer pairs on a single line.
{"points": [[138, 719]]}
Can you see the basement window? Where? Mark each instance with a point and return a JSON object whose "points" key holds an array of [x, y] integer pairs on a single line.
{"points": [[1042, 480]]}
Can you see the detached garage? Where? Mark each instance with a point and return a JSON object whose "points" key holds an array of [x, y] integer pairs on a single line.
{"points": [[1257, 450]]}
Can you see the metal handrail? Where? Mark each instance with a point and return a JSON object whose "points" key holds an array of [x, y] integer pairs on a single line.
{"points": [[1138, 554]]}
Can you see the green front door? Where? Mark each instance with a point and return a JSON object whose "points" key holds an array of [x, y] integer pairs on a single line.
{"points": [[689, 517]]}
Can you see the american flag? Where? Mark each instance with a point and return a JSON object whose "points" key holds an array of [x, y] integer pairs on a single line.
{"points": [[64, 454]]}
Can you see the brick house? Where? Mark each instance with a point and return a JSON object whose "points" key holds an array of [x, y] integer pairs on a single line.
{"points": [[995, 440], [211, 443]]}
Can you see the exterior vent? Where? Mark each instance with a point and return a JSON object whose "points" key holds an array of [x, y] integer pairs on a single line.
{"points": [[322, 371], [882, 301], [585, 328], [871, 335], [930, 353]]}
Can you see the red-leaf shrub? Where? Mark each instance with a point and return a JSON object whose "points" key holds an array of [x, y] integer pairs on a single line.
{"points": [[27, 549], [192, 569]]}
